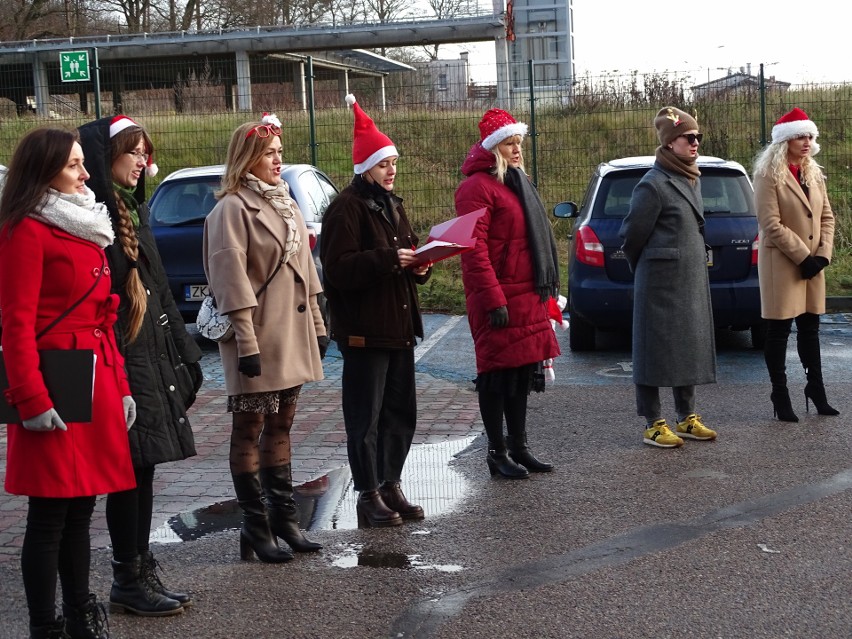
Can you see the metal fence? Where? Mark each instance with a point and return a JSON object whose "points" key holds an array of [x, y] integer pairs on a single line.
{"points": [[432, 117]]}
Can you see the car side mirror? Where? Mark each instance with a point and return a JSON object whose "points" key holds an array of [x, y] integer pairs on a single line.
{"points": [[565, 210]]}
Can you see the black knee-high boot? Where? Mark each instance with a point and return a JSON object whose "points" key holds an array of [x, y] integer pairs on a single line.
{"points": [[256, 535], [499, 463], [516, 425], [283, 511], [807, 343], [775, 355]]}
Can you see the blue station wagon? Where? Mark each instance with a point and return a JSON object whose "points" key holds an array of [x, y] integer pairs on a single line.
{"points": [[600, 295]]}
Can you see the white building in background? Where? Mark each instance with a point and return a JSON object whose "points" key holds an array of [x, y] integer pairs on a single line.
{"points": [[447, 80], [543, 32]]}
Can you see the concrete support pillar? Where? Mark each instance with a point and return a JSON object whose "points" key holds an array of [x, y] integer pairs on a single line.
{"points": [[243, 81], [381, 81], [42, 91], [300, 89], [343, 84], [504, 86]]}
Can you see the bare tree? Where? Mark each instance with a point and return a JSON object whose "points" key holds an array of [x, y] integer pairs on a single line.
{"points": [[27, 19], [385, 10], [444, 9]]}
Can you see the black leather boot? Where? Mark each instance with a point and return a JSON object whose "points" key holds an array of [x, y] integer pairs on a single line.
{"points": [[807, 343], [256, 537], [130, 593], [499, 462], [520, 454], [775, 355], [373, 512], [395, 499], [283, 511], [149, 574], [88, 621], [55, 630]]}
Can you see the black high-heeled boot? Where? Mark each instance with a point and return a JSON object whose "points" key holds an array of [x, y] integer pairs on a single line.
{"points": [[807, 342], [781, 406], [520, 454], [256, 537], [283, 511], [775, 354]]}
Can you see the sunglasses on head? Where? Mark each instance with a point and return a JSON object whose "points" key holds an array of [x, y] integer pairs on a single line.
{"points": [[692, 138], [264, 130]]}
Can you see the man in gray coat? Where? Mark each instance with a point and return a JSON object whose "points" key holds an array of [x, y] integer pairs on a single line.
{"points": [[673, 342]]}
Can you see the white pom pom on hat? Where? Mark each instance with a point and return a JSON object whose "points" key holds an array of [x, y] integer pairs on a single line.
{"points": [[369, 145], [121, 122], [794, 124]]}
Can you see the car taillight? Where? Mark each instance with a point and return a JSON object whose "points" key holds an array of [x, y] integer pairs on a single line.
{"points": [[754, 246], [588, 247], [312, 237]]}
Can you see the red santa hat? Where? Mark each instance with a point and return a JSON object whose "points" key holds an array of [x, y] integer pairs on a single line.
{"points": [[369, 145], [121, 122], [793, 125], [497, 125]]}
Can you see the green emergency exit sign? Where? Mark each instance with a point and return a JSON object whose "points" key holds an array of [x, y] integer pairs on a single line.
{"points": [[74, 66]]}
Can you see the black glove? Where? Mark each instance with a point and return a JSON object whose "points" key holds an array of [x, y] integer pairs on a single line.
{"points": [[196, 374], [499, 317], [811, 266], [322, 342], [250, 365]]}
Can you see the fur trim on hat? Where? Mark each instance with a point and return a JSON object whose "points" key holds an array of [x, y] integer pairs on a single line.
{"points": [[518, 128], [369, 145], [793, 124]]}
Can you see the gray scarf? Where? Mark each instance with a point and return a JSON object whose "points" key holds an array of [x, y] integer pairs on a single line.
{"points": [[539, 234], [77, 214]]}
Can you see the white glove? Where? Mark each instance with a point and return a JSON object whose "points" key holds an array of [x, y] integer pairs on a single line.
{"points": [[129, 410], [48, 420]]}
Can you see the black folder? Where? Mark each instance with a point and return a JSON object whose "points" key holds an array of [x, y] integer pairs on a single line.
{"points": [[68, 375]]}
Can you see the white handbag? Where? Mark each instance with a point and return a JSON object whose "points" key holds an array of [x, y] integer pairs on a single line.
{"points": [[216, 326], [211, 323]]}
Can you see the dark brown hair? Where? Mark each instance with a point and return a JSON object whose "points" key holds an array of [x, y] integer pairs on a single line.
{"points": [[125, 141], [39, 157]]}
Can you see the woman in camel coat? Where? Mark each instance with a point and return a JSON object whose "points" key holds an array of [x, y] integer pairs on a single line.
{"points": [[256, 236], [796, 242]]}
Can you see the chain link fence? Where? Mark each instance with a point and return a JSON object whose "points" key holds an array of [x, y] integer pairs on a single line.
{"points": [[432, 117]]}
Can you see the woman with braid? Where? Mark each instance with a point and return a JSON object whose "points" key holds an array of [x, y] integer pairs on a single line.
{"points": [[154, 341]]}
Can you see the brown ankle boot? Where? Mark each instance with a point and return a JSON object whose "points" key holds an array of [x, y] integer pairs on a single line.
{"points": [[395, 499], [373, 512]]}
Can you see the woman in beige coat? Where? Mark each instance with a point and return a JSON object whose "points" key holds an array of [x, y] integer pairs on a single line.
{"points": [[254, 236], [796, 240]]}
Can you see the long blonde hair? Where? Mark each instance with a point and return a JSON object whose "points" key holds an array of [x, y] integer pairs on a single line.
{"points": [[125, 142], [243, 153], [500, 164], [772, 162]]}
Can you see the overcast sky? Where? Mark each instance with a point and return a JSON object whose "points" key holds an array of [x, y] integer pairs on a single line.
{"points": [[797, 40]]}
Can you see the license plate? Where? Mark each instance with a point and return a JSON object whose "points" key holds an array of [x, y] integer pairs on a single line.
{"points": [[194, 292], [709, 257]]}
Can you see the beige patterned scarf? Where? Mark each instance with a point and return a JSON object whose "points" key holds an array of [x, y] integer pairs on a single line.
{"points": [[278, 197]]}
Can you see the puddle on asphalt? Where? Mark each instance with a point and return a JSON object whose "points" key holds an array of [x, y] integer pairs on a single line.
{"points": [[328, 503], [354, 555]]}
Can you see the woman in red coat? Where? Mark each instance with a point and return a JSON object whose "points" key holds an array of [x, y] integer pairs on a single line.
{"points": [[52, 239], [508, 278]]}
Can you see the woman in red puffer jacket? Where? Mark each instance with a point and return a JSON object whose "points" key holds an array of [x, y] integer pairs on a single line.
{"points": [[508, 278]]}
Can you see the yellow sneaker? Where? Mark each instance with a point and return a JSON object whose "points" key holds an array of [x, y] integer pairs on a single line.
{"points": [[692, 428], [661, 435]]}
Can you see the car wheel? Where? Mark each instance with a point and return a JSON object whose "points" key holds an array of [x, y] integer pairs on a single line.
{"points": [[581, 334], [758, 335]]}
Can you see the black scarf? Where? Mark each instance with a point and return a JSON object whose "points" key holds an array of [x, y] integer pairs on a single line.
{"points": [[387, 200], [539, 234]]}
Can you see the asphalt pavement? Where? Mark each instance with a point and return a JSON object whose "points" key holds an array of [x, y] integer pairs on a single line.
{"points": [[747, 536]]}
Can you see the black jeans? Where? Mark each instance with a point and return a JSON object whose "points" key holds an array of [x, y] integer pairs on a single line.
{"points": [[56, 540], [379, 411], [129, 514]]}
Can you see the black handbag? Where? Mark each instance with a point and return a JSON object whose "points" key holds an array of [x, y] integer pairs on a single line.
{"points": [[69, 375]]}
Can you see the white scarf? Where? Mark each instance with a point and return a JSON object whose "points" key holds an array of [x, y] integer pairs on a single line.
{"points": [[77, 214], [278, 197]]}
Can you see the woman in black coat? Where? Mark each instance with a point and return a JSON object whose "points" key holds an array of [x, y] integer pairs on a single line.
{"points": [[161, 358]]}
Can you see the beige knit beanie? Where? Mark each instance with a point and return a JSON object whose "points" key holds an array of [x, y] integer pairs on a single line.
{"points": [[671, 122]]}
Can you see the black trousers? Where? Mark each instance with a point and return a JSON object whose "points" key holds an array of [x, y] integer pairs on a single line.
{"points": [[379, 411], [56, 540], [648, 401], [129, 515]]}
